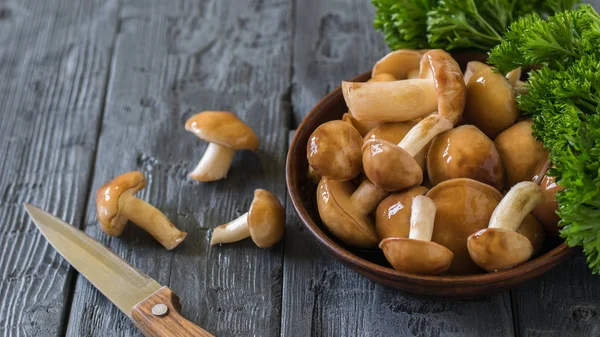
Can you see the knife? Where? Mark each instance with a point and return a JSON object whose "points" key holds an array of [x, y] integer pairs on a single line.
{"points": [[153, 308]]}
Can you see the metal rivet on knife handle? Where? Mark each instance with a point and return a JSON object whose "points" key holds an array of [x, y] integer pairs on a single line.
{"points": [[160, 309]]}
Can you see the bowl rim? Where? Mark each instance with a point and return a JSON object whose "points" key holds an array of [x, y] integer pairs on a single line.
{"points": [[542, 262]]}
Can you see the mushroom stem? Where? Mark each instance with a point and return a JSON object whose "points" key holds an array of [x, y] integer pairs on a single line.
{"points": [[233, 231], [421, 134], [514, 76], [215, 163], [422, 218], [152, 221], [520, 200], [367, 196]]}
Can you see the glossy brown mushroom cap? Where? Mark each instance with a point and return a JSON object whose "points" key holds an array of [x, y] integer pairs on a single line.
{"points": [[392, 217], [499, 249], [473, 67], [363, 127], [334, 151], [398, 63], [522, 154], [449, 83], [464, 206], [417, 257], [223, 128], [465, 152], [389, 166], [266, 219], [340, 216], [394, 133], [533, 230], [491, 104], [546, 212], [107, 200]]}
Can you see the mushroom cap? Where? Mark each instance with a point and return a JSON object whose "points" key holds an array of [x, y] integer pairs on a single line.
{"points": [[392, 217], [522, 154], [389, 166], [341, 218], [415, 256], [533, 230], [334, 150], [491, 104], [363, 127], [108, 198], [266, 219], [465, 152], [464, 206], [223, 128], [449, 83], [394, 132], [499, 249], [398, 63], [546, 211], [473, 67]]}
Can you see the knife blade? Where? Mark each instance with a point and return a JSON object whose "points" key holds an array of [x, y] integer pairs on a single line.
{"points": [[153, 308]]}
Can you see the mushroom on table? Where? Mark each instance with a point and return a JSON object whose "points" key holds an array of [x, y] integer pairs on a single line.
{"points": [[226, 134], [116, 204], [264, 223], [417, 254]]}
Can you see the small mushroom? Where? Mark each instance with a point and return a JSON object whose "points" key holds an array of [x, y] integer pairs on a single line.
{"points": [[522, 154], [499, 246], [392, 217], [464, 206], [383, 77], [546, 211], [440, 87], [417, 254], [345, 210], [394, 133], [393, 167], [465, 152], [401, 64], [264, 223], [473, 68], [491, 104], [116, 204], [363, 127], [334, 151], [514, 78], [226, 134]]}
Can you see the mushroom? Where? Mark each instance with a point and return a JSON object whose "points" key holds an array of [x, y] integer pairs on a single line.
{"points": [[264, 223], [394, 133], [393, 167], [116, 204], [464, 206], [401, 64], [417, 254], [392, 217], [546, 211], [491, 104], [225, 133], [334, 150], [499, 246], [440, 87], [345, 210], [465, 152], [522, 154], [514, 78], [473, 67], [363, 127], [383, 77]]}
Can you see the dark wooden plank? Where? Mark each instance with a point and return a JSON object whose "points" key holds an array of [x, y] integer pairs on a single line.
{"points": [[174, 58], [323, 298], [54, 64]]}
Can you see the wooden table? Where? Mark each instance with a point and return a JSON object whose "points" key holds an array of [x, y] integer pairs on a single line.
{"points": [[90, 89]]}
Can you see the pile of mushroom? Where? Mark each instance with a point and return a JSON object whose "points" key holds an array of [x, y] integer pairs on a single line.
{"points": [[435, 168]]}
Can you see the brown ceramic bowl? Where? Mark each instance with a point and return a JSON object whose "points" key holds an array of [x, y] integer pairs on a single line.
{"points": [[372, 263]]}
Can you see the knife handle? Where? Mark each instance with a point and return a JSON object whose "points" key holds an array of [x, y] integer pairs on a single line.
{"points": [[158, 316]]}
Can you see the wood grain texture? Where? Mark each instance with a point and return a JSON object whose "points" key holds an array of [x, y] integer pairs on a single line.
{"points": [[172, 60], [54, 64], [323, 298]]}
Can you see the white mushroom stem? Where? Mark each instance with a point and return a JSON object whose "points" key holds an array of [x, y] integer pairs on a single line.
{"points": [[150, 219], [422, 133], [233, 231], [396, 101], [215, 163], [367, 196], [520, 200], [422, 218], [514, 76]]}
